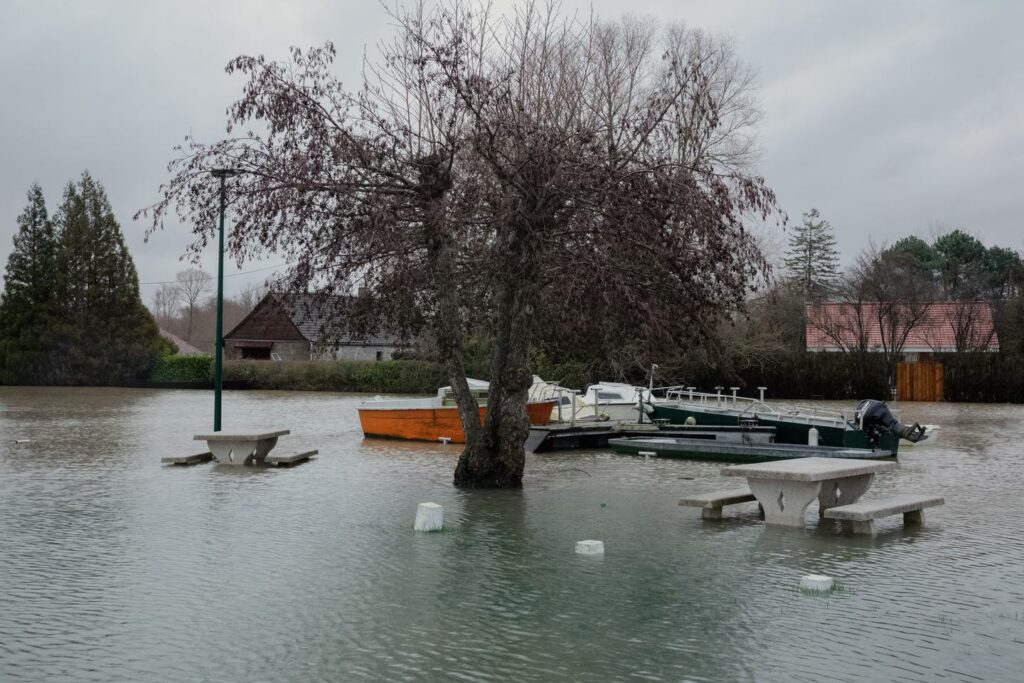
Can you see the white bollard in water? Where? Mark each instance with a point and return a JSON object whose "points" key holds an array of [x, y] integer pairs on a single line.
{"points": [[647, 454], [445, 439], [812, 436], [429, 517], [817, 583], [589, 547]]}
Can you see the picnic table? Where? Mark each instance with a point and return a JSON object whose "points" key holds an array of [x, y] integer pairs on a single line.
{"points": [[785, 488], [241, 448]]}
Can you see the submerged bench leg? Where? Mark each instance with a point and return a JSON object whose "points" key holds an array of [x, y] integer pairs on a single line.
{"points": [[711, 514], [866, 527], [913, 518]]}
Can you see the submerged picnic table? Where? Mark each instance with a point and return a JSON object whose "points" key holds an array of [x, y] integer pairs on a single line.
{"points": [[241, 448], [785, 488]]}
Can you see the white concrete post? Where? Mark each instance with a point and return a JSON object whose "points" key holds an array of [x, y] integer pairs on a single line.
{"points": [[812, 436], [816, 583], [761, 391], [429, 517], [589, 547]]}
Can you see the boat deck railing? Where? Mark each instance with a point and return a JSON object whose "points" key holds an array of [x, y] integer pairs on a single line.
{"points": [[745, 406]]}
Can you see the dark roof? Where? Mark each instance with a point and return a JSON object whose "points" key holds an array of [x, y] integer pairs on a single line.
{"points": [[313, 315]]}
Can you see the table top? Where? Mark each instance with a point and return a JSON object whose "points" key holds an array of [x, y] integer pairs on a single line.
{"points": [[808, 469], [241, 436]]}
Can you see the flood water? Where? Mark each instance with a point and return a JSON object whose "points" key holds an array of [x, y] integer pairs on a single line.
{"points": [[114, 568]]}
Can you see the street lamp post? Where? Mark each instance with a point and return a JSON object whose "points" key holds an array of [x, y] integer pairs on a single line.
{"points": [[218, 362]]}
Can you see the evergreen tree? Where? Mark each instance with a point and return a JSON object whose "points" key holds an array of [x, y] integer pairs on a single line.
{"points": [[27, 305], [961, 264], [812, 260], [106, 334]]}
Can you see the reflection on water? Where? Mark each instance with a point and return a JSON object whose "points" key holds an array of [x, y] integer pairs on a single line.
{"points": [[114, 568]]}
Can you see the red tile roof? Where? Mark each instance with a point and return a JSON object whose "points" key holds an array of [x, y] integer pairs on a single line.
{"points": [[834, 326]]}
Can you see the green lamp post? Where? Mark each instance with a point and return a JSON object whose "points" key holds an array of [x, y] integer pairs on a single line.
{"points": [[218, 358]]}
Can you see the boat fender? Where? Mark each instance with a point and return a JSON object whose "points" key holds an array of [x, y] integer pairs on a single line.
{"points": [[690, 421], [648, 409]]}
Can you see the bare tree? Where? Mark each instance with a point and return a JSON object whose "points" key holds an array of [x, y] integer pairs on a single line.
{"points": [[500, 173], [251, 295], [191, 288], [970, 323], [165, 304], [898, 301]]}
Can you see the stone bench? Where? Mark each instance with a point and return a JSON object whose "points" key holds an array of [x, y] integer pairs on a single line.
{"points": [[288, 459], [186, 460], [862, 515], [711, 503]]}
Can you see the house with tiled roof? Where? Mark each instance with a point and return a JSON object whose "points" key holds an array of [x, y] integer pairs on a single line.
{"points": [[183, 348], [913, 333], [940, 327], [303, 327]]}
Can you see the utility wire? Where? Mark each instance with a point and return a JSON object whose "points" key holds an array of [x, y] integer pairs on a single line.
{"points": [[233, 274]]}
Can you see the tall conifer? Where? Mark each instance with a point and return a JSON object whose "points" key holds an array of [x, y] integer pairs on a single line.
{"points": [[812, 260], [27, 305], [107, 335]]}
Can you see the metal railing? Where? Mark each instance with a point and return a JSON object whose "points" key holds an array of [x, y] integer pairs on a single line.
{"points": [[744, 405]]}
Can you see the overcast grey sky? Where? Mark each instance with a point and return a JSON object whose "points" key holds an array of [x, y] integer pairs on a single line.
{"points": [[889, 117]]}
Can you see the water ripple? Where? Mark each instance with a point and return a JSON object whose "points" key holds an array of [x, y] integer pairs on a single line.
{"points": [[114, 568]]}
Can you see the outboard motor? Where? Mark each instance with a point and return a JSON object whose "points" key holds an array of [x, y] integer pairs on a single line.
{"points": [[874, 418]]}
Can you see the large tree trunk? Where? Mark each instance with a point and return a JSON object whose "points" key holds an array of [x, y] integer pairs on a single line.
{"points": [[448, 321], [498, 459]]}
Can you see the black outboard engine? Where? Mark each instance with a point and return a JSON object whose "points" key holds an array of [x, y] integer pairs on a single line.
{"points": [[874, 418]]}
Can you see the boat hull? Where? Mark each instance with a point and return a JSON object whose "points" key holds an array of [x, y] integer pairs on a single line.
{"points": [[738, 452], [432, 423], [786, 432]]}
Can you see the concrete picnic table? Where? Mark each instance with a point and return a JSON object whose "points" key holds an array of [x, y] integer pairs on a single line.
{"points": [[785, 488], [241, 448]]}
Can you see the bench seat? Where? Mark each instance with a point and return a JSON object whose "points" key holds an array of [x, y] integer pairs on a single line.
{"points": [[711, 503], [186, 460], [862, 515], [286, 459]]}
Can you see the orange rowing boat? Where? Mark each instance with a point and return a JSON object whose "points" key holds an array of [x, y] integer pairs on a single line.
{"points": [[429, 423]]}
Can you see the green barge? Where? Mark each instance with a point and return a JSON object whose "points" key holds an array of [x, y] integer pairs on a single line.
{"points": [[734, 451], [792, 424]]}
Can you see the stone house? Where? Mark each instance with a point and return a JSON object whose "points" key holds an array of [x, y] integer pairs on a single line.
{"points": [[299, 327]]}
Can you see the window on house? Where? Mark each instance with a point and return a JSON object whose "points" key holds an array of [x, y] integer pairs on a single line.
{"points": [[380, 355], [250, 353]]}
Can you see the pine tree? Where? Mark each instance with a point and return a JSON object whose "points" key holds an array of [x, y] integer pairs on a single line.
{"points": [[27, 305], [812, 260], [106, 336]]}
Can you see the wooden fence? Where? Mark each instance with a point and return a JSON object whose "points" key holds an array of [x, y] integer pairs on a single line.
{"points": [[920, 381]]}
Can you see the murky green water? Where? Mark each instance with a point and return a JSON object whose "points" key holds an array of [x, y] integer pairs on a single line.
{"points": [[115, 568]]}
